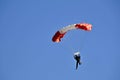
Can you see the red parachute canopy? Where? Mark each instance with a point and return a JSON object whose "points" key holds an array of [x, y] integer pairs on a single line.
{"points": [[60, 33]]}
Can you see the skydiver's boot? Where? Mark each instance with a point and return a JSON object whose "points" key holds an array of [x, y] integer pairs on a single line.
{"points": [[80, 63]]}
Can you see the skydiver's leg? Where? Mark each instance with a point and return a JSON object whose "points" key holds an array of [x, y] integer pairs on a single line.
{"points": [[80, 63], [77, 65], [78, 60]]}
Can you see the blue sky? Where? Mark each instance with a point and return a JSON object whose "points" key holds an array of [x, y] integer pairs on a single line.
{"points": [[26, 49]]}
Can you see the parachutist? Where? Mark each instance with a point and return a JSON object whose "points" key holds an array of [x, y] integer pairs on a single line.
{"points": [[77, 57]]}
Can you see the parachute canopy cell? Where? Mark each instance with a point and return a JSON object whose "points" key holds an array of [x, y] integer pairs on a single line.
{"points": [[60, 33]]}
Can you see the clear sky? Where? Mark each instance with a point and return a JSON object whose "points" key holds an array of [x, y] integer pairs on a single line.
{"points": [[26, 49]]}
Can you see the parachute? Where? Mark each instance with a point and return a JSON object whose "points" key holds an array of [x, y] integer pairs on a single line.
{"points": [[60, 33]]}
